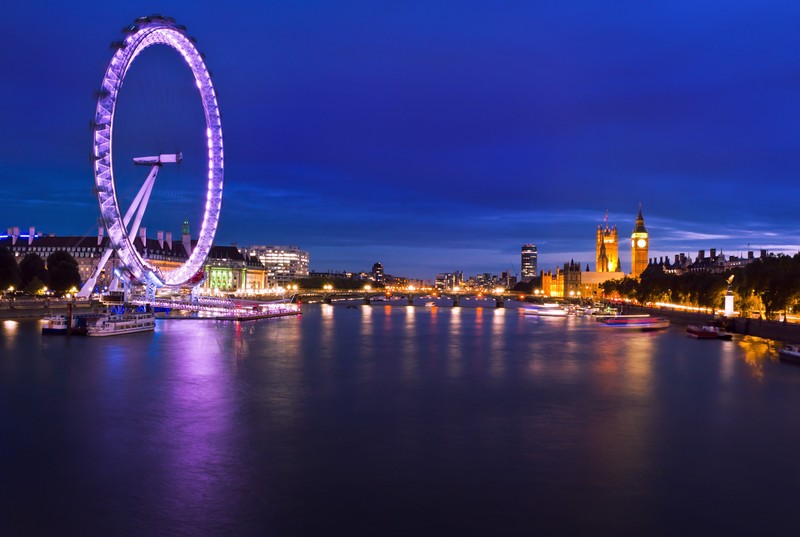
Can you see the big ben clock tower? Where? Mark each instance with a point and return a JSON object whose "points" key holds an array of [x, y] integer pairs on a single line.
{"points": [[640, 242]]}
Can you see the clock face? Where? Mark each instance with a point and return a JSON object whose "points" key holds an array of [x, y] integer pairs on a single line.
{"points": [[641, 243]]}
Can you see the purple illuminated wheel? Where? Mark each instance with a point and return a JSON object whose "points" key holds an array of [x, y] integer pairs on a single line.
{"points": [[147, 31]]}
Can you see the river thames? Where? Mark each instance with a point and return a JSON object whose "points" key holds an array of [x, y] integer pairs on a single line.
{"points": [[396, 420]]}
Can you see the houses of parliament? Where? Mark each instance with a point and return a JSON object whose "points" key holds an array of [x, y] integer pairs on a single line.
{"points": [[607, 248], [573, 282]]}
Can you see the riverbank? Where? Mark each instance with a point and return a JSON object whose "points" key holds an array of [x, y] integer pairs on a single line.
{"points": [[38, 308], [777, 330]]}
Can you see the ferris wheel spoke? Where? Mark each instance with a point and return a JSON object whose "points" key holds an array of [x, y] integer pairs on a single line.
{"points": [[139, 204]]}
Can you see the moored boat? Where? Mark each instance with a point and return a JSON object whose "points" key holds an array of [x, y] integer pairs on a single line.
{"points": [[700, 332], [790, 353], [708, 331], [115, 324], [66, 324], [55, 324]]}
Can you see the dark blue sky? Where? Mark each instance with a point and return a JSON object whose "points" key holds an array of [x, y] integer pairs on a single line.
{"points": [[434, 136]]}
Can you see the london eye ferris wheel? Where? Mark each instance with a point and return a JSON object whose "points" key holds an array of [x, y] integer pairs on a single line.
{"points": [[144, 33]]}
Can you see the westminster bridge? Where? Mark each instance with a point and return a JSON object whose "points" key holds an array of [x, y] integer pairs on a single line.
{"points": [[410, 298]]}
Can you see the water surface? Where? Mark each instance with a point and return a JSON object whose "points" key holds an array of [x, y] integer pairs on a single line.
{"points": [[394, 420]]}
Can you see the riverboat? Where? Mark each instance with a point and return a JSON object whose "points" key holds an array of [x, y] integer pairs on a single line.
{"points": [[545, 310], [115, 324], [790, 353], [643, 323], [55, 324], [708, 331], [60, 324]]}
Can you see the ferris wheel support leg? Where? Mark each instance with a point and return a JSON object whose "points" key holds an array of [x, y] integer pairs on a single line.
{"points": [[88, 287], [142, 195], [140, 202]]}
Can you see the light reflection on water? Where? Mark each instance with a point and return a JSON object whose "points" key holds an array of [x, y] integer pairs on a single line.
{"points": [[458, 420], [453, 353], [10, 328], [408, 346], [757, 352]]}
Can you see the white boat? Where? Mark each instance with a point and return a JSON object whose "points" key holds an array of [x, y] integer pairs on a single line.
{"points": [[643, 323], [54, 324], [790, 353], [430, 304], [60, 323], [116, 324], [545, 310]]}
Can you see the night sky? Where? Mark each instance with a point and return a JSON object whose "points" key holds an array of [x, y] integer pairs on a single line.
{"points": [[429, 136]]}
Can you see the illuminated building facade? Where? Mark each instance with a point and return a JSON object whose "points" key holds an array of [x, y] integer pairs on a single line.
{"points": [[546, 281], [640, 243], [377, 273], [553, 283], [607, 248], [528, 266], [449, 280], [227, 269], [572, 280], [282, 263]]}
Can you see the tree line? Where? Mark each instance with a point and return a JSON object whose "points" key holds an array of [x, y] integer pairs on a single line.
{"points": [[769, 284], [59, 272]]}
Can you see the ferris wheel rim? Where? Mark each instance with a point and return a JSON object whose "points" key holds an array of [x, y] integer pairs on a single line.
{"points": [[148, 31]]}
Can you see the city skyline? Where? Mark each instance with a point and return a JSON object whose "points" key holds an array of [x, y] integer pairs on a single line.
{"points": [[433, 138]]}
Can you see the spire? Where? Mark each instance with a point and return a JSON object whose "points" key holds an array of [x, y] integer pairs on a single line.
{"points": [[640, 222]]}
